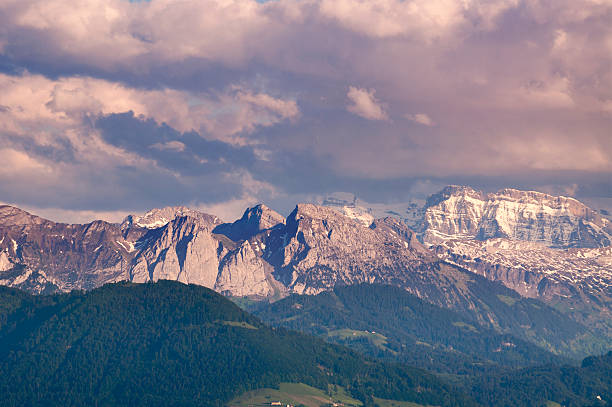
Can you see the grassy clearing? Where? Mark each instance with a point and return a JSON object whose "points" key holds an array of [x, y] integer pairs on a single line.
{"points": [[376, 338], [239, 324], [295, 394], [394, 403], [509, 301], [466, 326], [246, 303]]}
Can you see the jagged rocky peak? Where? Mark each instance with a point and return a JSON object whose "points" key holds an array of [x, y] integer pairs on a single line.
{"points": [[254, 221], [555, 221], [319, 218], [12, 216], [312, 211]]}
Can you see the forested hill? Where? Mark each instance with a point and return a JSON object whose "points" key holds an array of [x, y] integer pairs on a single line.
{"points": [[173, 344], [388, 322], [570, 386]]}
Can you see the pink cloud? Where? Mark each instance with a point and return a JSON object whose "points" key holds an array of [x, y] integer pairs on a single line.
{"points": [[364, 103]]}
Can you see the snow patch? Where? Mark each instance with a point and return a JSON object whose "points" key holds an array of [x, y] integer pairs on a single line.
{"points": [[129, 248], [153, 225]]}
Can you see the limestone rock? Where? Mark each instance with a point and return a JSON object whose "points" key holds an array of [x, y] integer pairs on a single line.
{"points": [[459, 212]]}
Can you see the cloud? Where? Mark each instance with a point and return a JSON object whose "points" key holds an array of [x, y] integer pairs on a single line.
{"points": [[68, 100], [420, 118], [129, 105], [172, 145], [363, 103], [90, 144], [17, 163], [389, 18]]}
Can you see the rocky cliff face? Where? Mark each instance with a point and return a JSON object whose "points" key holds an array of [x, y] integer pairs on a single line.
{"points": [[171, 243], [41, 255], [459, 212], [320, 248], [259, 255], [552, 248]]}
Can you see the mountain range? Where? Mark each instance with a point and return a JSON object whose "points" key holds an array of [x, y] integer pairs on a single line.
{"points": [[468, 251]]}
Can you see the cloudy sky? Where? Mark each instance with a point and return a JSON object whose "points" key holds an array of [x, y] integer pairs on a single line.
{"points": [[111, 106]]}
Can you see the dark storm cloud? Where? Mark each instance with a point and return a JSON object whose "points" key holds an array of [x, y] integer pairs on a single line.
{"points": [[187, 153]]}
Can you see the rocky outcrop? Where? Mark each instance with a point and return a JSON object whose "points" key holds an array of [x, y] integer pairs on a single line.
{"points": [[183, 250], [245, 273], [174, 243]]}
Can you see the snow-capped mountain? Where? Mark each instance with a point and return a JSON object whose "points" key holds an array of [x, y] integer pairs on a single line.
{"points": [[552, 248], [460, 212], [410, 212], [548, 247]]}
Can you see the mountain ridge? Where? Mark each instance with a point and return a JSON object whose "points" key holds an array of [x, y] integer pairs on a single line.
{"points": [[265, 256]]}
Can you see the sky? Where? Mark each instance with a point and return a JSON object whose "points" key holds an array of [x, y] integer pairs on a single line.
{"points": [[109, 107]]}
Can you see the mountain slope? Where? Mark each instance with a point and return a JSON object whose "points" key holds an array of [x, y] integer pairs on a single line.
{"points": [[587, 385], [388, 322], [173, 344], [39, 255]]}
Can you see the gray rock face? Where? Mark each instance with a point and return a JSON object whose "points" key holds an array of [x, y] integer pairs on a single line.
{"points": [[552, 248], [320, 248], [244, 272], [48, 255], [183, 250], [555, 221], [173, 243]]}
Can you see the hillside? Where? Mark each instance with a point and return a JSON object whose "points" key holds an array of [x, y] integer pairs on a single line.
{"points": [[587, 385], [173, 344], [411, 325], [388, 322]]}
